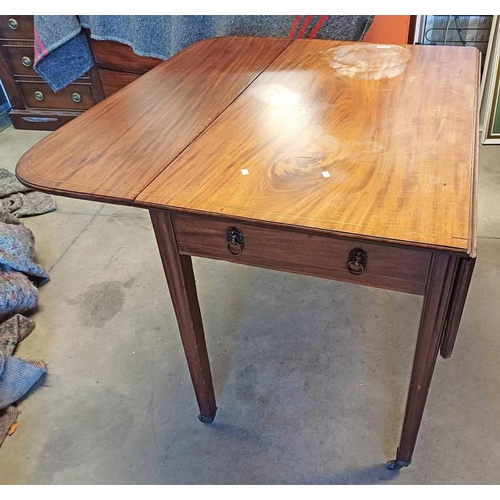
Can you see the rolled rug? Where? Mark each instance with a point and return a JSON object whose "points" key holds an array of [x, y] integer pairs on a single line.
{"points": [[17, 250], [17, 294], [13, 331]]}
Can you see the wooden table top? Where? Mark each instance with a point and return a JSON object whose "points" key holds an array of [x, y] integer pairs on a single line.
{"points": [[366, 140]]}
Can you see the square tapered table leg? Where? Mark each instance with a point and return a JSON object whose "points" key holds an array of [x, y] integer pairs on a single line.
{"points": [[181, 283], [437, 296]]}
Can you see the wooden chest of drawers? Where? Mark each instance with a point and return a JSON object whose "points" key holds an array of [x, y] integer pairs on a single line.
{"points": [[34, 104], [118, 65]]}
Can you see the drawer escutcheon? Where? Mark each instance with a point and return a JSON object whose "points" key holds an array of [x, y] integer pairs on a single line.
{"points": [[356, 261], [235, 240]]}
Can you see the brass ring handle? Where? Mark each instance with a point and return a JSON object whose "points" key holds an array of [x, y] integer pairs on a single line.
{"points": [[39, 95], [26, 61], [76, 97], [229, 246], [355, 267], [356, 261], [235, 241], [13, 24]]}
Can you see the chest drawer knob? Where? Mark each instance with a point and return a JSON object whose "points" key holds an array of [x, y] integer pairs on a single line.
{"points": [[235, 240], [39, 95], [356, 261], [13, 24], [26, 61], [76, 97]]}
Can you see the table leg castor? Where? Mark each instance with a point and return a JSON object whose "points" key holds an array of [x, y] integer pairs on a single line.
{"points": [[206, 420], [396, 464]]}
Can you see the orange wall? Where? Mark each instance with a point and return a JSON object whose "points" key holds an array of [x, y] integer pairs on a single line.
{"points": [[388, 29]]}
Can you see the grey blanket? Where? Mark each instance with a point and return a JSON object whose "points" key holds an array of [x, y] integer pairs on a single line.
{"points": [[17, 200]]}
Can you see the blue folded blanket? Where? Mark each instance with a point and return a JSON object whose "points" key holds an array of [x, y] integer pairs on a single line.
{"points": [[62, 52]]}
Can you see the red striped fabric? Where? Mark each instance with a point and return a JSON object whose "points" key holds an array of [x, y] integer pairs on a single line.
{"points": [[40, 49], [305, 25], [318, 26], [294, 26]]}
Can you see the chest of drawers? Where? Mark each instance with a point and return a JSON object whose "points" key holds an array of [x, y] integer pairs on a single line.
{"points": [[34, 104]]}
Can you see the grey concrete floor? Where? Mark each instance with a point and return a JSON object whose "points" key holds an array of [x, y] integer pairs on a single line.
{"points": [[311, 375]]}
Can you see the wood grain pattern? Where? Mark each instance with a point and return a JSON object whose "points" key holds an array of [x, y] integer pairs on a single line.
{"points": [[182, 286], [457, 304], [436, 300], [388, 266], [391, 128], [121, 144]]}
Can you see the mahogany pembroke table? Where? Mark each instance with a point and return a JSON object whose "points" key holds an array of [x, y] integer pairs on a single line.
{"points": [[342, 160]]}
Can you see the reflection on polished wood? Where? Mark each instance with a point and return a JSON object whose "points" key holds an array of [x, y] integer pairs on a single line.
{"points": [[120, 145], [397, 151]]}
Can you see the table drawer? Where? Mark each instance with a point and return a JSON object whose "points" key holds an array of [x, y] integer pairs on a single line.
{"points": [[20, 59], [19, 27], [384, 266], [40, 95]]}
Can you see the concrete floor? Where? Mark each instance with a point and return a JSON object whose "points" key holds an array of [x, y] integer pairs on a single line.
{"points": [[311, 375]]}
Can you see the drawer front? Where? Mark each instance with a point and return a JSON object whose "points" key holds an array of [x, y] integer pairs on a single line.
{"points": [[41, 120], [40, 95], [373, 264], [20, 59], [18, 27]]}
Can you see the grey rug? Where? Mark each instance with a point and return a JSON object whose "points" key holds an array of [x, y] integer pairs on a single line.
{"points": [[17, 200]]}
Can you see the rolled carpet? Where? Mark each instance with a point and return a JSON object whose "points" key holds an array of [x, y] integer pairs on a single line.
{"points": [[13, 331]]}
